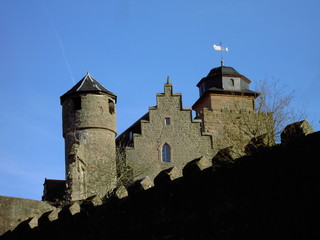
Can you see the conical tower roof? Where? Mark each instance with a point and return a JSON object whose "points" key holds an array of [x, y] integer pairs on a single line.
{"points": [[87, 85]]}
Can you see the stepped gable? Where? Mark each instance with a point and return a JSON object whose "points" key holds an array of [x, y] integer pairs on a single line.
{"points": [[158, 139], [126, 138]]}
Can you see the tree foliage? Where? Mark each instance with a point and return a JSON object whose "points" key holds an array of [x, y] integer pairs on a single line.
{"points": [[277, 99]]}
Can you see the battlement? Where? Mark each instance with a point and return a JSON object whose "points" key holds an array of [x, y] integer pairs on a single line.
{"points": [[207, 198]]}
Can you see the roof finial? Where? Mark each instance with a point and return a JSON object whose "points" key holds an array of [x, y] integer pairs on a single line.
{"points": [[168, 79], [221, 49]]}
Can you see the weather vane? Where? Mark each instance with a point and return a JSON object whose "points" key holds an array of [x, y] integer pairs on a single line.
{"points": [[221, 49]]}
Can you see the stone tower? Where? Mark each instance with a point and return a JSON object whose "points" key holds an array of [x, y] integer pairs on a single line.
{"points": [[89, 130], [225, 88]]}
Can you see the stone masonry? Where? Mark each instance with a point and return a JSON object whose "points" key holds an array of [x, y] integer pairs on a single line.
{"points": [[236, 128], [89, 130], [166, 123]]}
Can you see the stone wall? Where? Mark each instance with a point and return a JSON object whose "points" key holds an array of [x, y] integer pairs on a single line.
{"points": [[231, 102], [13, 211], [236, 128]]}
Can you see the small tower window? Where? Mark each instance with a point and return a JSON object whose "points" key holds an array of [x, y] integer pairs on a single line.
{"points": [[167, 121], [232, 82], [202, 88], [76, 103], [166, 153], [111, 106]]}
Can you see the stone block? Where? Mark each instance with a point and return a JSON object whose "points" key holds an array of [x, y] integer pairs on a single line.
{"points": [[258, 143], [121, 192], [74, 208], [53, 215], [140, 185], [296, 130], [196, 166], [49, 217], [223, 156], [28, 224], [167, 175], [90, 203], [146, 183], [69, 211], [95, 200], [33, 222]]}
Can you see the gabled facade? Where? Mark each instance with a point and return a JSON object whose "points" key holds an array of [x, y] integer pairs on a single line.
{"points": [[165, 136]]}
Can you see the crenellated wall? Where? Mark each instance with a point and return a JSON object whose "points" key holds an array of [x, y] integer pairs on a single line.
{"points": [[271, 194]]}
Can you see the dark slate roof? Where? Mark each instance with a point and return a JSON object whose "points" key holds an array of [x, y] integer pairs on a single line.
{"points": [[87, 85], [223, 70], [218, 72]]}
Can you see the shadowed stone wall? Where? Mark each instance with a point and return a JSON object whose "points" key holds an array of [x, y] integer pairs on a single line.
{"points": [[236, 128]]}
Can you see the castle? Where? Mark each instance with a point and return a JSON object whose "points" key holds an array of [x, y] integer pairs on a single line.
{"points": [[166, 136], [213, 177]]}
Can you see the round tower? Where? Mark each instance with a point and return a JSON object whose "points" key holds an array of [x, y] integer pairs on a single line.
{"points": [[89, 130]]}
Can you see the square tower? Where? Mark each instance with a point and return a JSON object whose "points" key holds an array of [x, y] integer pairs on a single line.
{"points": [[226, 107]]}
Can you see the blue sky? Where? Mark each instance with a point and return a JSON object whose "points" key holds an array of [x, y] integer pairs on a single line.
{"points": [[130, 47]]}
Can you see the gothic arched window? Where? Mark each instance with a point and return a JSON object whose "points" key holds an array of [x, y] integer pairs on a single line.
{"points": [[166, 153]]}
